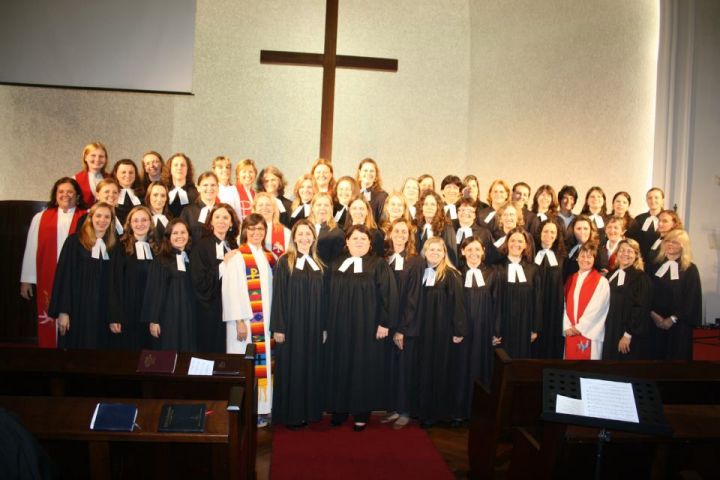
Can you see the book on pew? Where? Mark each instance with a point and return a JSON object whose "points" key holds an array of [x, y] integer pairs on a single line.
{"points": [[157, 361], [114, 417], [182, 418]]}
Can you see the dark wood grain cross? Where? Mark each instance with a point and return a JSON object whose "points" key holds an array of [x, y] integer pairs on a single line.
{"points": [[329, 61]]}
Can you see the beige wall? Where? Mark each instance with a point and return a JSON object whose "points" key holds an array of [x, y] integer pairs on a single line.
{"points": [[564, 92]]}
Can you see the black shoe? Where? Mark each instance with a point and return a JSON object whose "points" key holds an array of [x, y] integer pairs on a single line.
{"points": [[359, 427]]}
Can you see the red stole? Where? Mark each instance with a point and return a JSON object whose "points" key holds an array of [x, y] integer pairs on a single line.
{"points": [[45, 264], [577, 347], [246, 200], [277, 239], [83, 179]]}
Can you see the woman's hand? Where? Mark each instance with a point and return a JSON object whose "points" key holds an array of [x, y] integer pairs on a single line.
{"points": [[624, 345], [116, 327], [230, 255], [496, 341], [63, 323], [242, 332], [457, 339], [381, 333], [398, 338], [26, 290], [279, 337], [533, 336], [155, 330], [572, 331]]}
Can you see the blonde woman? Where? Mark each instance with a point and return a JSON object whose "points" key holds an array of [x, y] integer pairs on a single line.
{"points": [[442, 326], [296, 323], [277, 237]]}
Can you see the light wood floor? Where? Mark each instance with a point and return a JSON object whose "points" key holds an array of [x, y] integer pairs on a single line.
{"points": [[450, 442]]}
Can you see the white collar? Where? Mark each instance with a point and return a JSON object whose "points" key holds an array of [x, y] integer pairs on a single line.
{"points": [[429, 277], [178, 191], [306, 259], [143, 250], [475, 273], [598, 219], [651, 220], [552, 259], [516, 273], [398, 260], [124, 192], [356, 262], [671, 265], [99, 250], [181, 259], [159, 216], [339, 213], [451, 210], [462, 233], [428, 231], [490, 216], [574, 249], [542, 216], [500, 241], [221, 247], [620, 274], [118, 227]]}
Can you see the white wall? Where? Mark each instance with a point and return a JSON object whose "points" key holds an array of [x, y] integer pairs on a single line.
{"points": [[704, 175], [564, 92]]}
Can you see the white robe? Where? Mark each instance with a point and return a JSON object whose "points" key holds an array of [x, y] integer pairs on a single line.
{"points": [[236, 307], [229, 194], [29, 268], [592, 323]]}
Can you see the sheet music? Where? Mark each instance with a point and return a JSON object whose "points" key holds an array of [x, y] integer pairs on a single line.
{"points": [[569, 406], [198, 366], [609, 400]]}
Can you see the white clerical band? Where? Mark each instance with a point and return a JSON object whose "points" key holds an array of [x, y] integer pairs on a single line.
{"points": [[181, 259], [429, 277], [651, 220], [398, 261], [125, 192], [490, 216], [599, 222], [339, 214], [307, 259], [462, 234], [367, 194], [451, 211], [671, 265], [500, 241], [656, 245], [356, 262], [573, 250], [143, 251], [280, 206], [552, 259], [203, 214], [428, 231], [620, 275], [220, 250], [516, 273], [542, 217], [477, 275], [163, 219], [118, 227], [178, 192], [99, 250]]}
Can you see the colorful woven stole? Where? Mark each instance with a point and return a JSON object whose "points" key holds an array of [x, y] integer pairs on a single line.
{"points": [[45, 265], [257, 324]]}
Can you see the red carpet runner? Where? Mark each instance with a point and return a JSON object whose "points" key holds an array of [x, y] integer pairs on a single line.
{"points": [[379, 452]]}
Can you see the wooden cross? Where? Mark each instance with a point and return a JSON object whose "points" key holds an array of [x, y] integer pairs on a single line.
{"points": [[329, 61]]}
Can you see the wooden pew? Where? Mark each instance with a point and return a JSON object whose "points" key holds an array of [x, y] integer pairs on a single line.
{"points": [[96, 373], [62, 425], [512, 408]]}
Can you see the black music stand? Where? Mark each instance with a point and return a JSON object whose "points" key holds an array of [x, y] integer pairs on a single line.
{"points": [[647, 401]]}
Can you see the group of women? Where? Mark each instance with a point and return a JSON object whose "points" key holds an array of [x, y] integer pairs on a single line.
{"points": [[356, 299]]}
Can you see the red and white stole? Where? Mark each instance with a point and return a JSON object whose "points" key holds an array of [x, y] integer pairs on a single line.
{"points": [[246, 201], [277, 240], [46, 264], [577, 347], [83, 179], [257, 324]]}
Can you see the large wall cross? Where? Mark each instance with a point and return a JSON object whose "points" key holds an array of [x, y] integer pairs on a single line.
{"points": [[329, 61]]}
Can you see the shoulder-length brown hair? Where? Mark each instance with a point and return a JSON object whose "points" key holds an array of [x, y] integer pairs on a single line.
{"points": [[410, 247], [273, 170], [233, 231], [128, 237], [327, 163], [166, 248], [369, 219], [439, 221], [137, 185], [167, 176], [586, 208], [86, 235], [554, 204], [378, 179], [529, 251], [445, 264], [79, 202], [251, 220], [148, 194]]}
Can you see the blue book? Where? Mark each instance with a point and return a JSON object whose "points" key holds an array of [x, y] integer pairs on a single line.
{"points": [[114, 417]]}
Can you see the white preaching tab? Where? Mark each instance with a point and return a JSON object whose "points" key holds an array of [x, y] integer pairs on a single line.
{"points": [[198, 366], [609, 400], [569, 406]]}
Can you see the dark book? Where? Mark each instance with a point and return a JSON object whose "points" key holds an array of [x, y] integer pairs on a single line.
{"points": [[187, 418], [157, 361], [114, 417]]}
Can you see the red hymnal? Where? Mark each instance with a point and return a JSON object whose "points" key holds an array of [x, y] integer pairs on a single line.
{"points": [[157, 361]]}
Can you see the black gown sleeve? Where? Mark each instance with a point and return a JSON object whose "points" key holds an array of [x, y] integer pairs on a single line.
{"points": [[157, 286], [457, 301], [116, 287], [386, 292], [689, 311], [61, 301], [641, 298], [278, 311], [408, 318], [204, 271]]}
